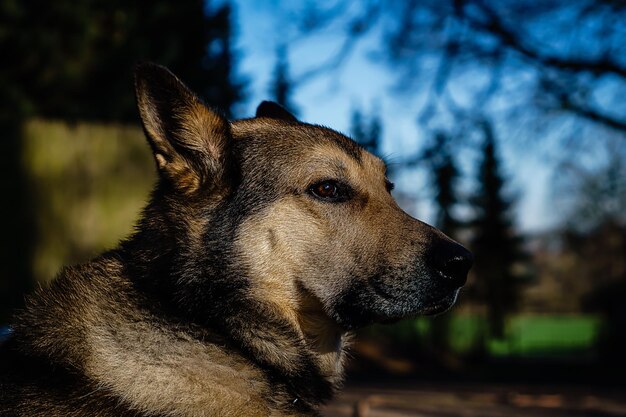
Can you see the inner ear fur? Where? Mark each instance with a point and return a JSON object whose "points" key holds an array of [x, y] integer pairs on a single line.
{"points": [[190, 142]]}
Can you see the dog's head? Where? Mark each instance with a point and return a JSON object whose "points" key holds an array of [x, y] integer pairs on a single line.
{"points": [[305, 212]]}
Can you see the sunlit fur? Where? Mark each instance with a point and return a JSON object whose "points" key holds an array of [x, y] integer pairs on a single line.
{"points": [[237, 291]]}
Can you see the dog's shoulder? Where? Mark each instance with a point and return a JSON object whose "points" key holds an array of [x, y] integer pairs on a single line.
{"points": [[42, 360], [56, 319], [33, 386], [90, 336]]}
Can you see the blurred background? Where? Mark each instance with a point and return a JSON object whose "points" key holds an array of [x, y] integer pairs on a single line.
{"points": [[503, 123]]}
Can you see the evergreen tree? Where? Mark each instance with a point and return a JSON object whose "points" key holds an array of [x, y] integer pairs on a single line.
{"points": [[444, 176], [366, 132], [222, 87], [282, 85], [495, 244], [74, 60], [357, 128], [16, 215]]}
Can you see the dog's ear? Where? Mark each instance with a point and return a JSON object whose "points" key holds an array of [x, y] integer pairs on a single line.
{"points": [[191, 144], [274, 111]]}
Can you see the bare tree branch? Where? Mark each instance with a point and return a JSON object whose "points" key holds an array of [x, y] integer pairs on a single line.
{"points": [[592, 114], [331, 63], [496, 26], [356, 28]]}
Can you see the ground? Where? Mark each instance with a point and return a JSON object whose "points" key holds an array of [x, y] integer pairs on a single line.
{"points": [[476, 400]]}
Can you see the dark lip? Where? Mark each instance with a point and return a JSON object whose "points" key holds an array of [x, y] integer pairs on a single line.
{"points": [[434, 310], [440, 306], [444, 277]]}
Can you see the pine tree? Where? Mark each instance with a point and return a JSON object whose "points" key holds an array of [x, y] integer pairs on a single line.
{"points": [[357, 129], [366, 132], [444, 176], [282, 85], [74, 60], [495, 244], [224, 90]]}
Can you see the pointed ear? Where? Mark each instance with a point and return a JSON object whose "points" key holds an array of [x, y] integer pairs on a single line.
{"points": [[191, 144], [274, 111]]}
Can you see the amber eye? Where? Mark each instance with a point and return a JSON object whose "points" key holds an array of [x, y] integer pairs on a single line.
{"points": [[325, 189], [329, 190]]}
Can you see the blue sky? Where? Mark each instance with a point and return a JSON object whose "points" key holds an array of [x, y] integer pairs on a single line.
{"points": [[360, 81]]}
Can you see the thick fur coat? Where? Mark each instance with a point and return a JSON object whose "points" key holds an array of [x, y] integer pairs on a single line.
{"points": [[265, 241]]}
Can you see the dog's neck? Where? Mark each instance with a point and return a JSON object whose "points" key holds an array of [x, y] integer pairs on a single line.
{"points": [[324, 337], [297, 345]]}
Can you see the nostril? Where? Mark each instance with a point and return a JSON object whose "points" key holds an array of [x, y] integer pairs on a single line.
{"points": [[457, 267], [451, 261]]}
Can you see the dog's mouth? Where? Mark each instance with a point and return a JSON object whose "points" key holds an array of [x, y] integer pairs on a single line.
{"points": [[444, 298], [432, 309], [440, 306], [379, 302]]}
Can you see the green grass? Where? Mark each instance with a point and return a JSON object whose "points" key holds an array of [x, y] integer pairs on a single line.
{"points": [[526, 336], [549, 336], [529, 336]]}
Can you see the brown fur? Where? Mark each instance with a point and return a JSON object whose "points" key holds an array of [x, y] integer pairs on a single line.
{"points": [[238, 291]]}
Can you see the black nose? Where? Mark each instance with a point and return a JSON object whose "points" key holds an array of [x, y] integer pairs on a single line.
{"points": [[451, 261]]}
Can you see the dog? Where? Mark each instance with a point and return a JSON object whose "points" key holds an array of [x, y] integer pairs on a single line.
{"points": [[265, 242]]}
